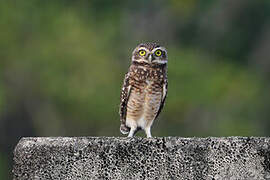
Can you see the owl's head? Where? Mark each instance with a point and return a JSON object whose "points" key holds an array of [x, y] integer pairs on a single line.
{"points": [[150, 53]]}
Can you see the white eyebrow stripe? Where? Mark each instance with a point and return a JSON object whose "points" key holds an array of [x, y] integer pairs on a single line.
{"points": [[161, 48], [143, 48]]}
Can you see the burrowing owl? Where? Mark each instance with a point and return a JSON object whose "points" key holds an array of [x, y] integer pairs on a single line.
{"points": [[144, 90]]}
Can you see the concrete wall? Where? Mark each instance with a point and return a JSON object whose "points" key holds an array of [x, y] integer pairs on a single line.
{"points": [[141, 158]]}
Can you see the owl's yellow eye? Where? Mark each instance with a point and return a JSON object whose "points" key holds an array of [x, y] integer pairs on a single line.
{"points": [[142, 52], [158, 52]]}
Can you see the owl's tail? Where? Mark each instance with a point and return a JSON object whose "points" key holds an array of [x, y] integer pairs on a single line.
{"points": [[124, 129]]}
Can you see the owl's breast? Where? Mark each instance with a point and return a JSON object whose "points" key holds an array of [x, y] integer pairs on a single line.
{"points": [[144, 103], [145, 99], [146, 93]]}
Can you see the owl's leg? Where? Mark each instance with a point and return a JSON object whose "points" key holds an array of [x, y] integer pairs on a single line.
{"points": [[132, 132], [133, 126], [148, 132]]}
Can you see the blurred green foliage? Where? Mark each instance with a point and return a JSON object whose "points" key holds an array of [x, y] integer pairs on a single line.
{"points": [[63, 62], [3, 166]]}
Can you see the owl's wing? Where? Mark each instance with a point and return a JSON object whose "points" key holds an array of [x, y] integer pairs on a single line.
{"points": [[164, 95], [123, 104]]}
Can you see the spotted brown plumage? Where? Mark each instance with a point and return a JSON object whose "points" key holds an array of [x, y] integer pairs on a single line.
{"points": [[144, 89]]}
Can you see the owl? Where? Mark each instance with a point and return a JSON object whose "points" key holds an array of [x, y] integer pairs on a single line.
{"points": [[144, 89]]}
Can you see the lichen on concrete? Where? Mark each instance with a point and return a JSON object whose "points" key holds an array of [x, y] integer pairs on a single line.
{"points": [[142, 158]]}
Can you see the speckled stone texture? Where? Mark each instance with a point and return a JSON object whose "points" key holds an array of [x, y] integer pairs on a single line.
{"points": [[141, 158]]}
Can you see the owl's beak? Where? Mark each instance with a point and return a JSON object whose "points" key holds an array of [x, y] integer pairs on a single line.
{"points": [[150, 58]]}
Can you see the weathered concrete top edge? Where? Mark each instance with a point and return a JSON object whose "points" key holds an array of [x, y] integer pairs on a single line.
{"points": [[70, 141], [61, 138]]}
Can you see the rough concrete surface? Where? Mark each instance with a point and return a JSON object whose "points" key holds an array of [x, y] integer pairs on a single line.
{"points": [[142, 158]]}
